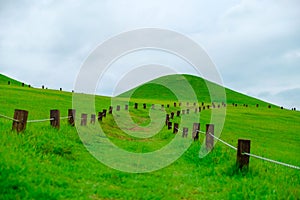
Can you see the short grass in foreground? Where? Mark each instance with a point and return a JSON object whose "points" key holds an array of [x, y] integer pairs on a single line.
{"points": [[43, 163]]}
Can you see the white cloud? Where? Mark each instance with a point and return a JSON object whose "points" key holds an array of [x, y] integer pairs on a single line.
{"points": [[255, 44]]}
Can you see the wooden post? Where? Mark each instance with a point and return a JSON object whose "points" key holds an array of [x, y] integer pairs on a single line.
{"points": [[242, 160], [174, 104], [178, 113], [55, 116], [167, 119], [19, 124], [110, 110], [126, 107], [185, 132], [175, 130], [172, 115], [169, 125], [118, 108], [144, 106], [135, 105], [100, 114], [83, 119], [196, 129], [71, 115], [209, 141], [104, 112], [93, 118]]}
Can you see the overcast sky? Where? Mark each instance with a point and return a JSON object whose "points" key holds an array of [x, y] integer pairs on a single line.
{"points": [[255, 45]]}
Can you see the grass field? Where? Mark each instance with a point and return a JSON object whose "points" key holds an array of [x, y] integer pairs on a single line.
{"points": [[45, 163]]}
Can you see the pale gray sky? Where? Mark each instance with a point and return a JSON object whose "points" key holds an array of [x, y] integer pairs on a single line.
{"points": [[254, 44]]}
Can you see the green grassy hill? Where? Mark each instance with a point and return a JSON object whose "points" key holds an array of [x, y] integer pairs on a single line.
{"points": [[45, 163], [4, 81]]}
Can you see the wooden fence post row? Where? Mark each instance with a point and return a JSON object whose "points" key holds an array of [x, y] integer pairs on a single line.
{"points": [[55, 118], [71, 115], [19, 124], [242, 160], [209, 139]]}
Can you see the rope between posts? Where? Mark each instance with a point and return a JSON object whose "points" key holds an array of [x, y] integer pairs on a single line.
{"points": [[179, 130], [270, 160], [40, 120], [6, 117], [229, 145]]}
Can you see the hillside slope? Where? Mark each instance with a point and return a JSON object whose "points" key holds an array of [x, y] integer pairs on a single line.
{"points": [[157, 89], [45, 163], [5, 79]]}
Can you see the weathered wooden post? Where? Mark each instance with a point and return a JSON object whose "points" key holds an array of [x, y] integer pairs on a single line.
{"points": [[20, 120], [209, 140], [104, 112], [172, 115], [167, 119], [185, 132], [110, 110], [71, 116], [196, 129], [144, 106], [118, 108], [178, 113], [175, 130], [169, 125], [135, 105], [55, 118], [126, 107], [93, 118], [83, 119], [242, 160], [100, 114]]}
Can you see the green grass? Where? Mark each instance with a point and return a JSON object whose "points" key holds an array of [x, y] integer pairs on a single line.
{"points": [[45, 163]]}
